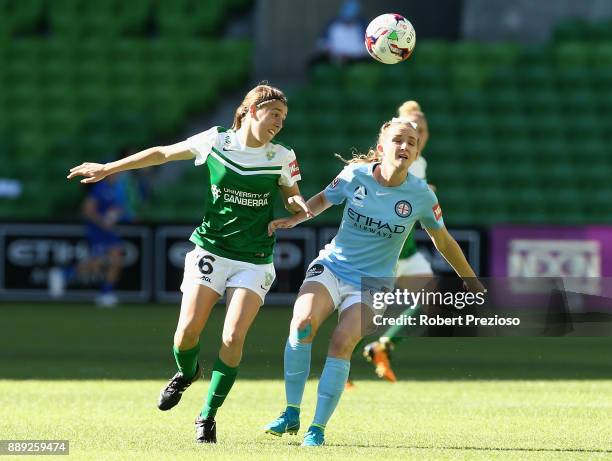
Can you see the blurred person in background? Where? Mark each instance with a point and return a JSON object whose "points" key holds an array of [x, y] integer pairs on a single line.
{"points": [[342, 42], [108, 203], [413, 268]]}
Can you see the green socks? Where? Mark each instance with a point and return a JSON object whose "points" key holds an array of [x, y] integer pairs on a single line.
{"points": [[393, 333], [221, 382], [187, 361]]}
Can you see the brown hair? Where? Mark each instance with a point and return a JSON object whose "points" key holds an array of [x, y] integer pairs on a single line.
{"points": [[260, 95]]}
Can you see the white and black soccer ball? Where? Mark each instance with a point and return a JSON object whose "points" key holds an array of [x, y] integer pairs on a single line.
{"points": [[390, 38]]}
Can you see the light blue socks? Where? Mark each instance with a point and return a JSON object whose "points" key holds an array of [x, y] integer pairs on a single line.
{"points": [[331, 385], [297, 369]]}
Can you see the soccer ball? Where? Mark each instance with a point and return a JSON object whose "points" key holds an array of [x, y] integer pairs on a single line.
{"points": [[390, 38]]}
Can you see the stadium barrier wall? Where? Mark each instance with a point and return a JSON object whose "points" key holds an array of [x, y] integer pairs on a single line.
{"points": [[154, 259]]}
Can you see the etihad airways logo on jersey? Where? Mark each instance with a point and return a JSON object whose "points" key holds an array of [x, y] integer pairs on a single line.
{"points": [[374, 226]]}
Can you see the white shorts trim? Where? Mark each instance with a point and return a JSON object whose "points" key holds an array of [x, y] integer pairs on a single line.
{"points": [[343, 294], [416, 264], [218, 273]]}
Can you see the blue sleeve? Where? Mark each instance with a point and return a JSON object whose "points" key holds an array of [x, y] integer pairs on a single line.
{"points": [[335, 192], [96, 191], [431, 213]]}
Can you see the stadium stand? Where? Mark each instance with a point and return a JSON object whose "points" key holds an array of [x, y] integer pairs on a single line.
{"points": [[518, 134], [87, 79]]}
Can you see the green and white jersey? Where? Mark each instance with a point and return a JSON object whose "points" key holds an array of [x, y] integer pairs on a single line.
{"points": [[241, 186]]}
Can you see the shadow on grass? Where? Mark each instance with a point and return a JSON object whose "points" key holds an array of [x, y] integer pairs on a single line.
{"points": [[53, 341]]}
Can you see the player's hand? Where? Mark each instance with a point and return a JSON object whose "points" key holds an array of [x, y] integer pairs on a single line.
{"points": [[93, 172], [299, 202], [282, 223]]}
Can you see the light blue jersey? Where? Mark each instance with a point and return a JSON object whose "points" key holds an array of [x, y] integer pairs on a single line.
{"points": [[375, 222]]}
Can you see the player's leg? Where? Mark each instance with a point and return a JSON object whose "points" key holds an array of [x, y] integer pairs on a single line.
{"points": [[112, 270], [247, 286], [242, 308], [196, 305], [413, 274], [312, 306], [60, 277], [203, 284], [345, 337]]}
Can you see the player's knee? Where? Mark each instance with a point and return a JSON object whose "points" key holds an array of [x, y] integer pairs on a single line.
{"points": [[342, 343], [186, 335], [233, 339], [302, 330]]}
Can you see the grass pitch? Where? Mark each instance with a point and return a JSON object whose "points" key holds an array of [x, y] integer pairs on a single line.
{"points": [[92, 377]]}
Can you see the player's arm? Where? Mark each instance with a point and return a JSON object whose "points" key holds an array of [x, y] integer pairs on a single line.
{"points": [[293, 200], [317, 205], [450, 249], [94, 172]]}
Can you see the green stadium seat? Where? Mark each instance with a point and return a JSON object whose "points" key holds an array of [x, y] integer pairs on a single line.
{"points": [[355, 101], [428, 77], [326, 99], [573, 79], [572, 54], [443, 125], [600, 31], [431, 53], [433, 100], [327, 75], [503, 78], [580, 100], [538, 77], [364, 122], [585, 125], [189, 17], [482, 148], [504, 101], [468, 103], [601, 55], [469, 77], [18, 18], [572, 30], [364, 77], [510, 126], [474, 125], [466, 53], [500, 54], [544, 101], [535, 56], [601, 80], [549, 127]]}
